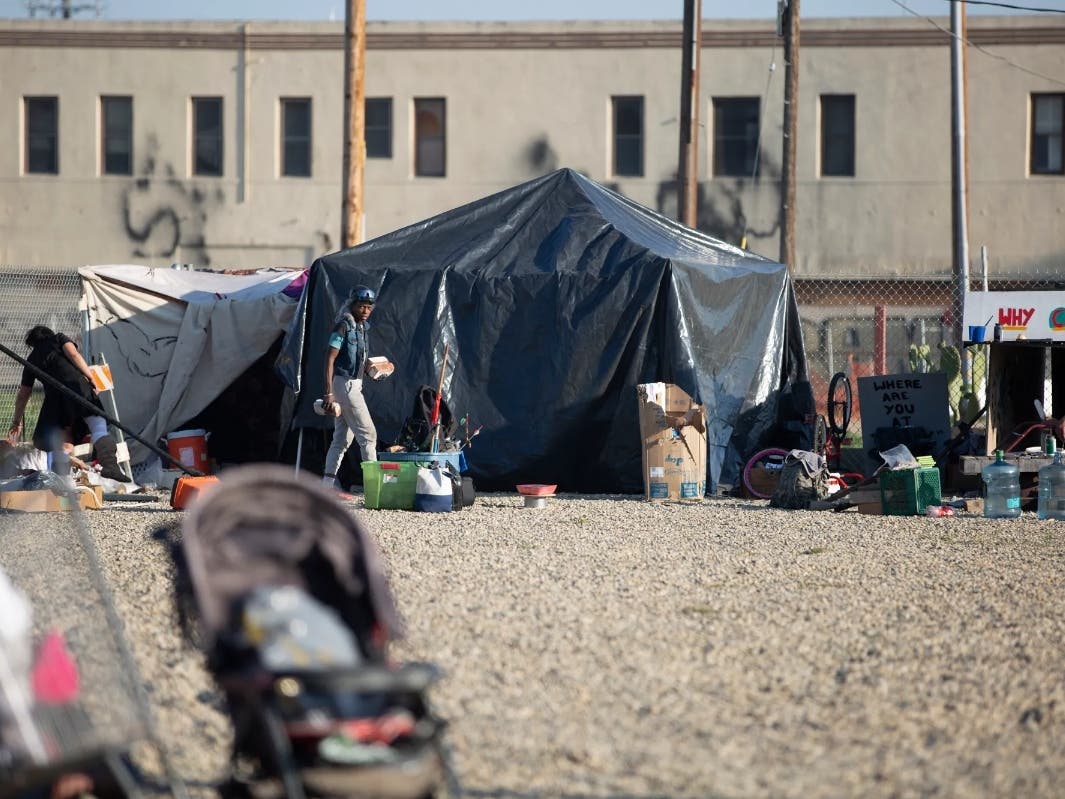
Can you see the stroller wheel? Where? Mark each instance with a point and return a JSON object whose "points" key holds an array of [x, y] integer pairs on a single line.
{"points": [[247, 780], [235, 788]]}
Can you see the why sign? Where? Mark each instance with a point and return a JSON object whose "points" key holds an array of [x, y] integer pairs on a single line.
{"points": [[1020, 314]]}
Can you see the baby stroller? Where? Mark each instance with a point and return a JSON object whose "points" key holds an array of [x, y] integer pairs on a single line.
{"points": [[288, 601]]}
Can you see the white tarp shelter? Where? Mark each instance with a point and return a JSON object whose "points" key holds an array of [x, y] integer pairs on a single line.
{"points": [[175, 339]]}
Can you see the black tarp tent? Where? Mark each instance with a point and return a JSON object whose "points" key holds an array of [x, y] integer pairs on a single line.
{"points": [[556, 298]]}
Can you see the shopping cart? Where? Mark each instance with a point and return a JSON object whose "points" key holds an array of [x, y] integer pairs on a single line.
{"points": [[73, 713]]}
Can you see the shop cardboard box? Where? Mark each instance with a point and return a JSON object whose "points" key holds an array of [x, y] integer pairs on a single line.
{"points": [[673, 431], [43, 500]]}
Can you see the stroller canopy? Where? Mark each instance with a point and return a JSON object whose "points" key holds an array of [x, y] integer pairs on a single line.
{"points": [[266, 527]]}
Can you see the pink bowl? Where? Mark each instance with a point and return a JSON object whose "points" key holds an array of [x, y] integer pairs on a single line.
{"points": [[536, 489]]}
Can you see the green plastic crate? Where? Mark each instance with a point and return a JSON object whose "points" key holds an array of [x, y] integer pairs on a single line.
{"points": [[389, 485], [907, 492]]}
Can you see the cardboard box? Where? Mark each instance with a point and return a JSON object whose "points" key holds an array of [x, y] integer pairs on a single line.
{"points": [[44, 501], [673, 431]]}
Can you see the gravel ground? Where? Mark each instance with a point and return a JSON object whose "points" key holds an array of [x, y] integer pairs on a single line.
{"points": [[608, 647]]}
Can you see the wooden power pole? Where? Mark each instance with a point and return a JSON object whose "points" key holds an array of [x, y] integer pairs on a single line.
{"points": [[789, 24], [959, 166], [354, 123], [688, 161]]}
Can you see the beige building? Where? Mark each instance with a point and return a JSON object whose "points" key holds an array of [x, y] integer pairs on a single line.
{"points": [[221, 143]]}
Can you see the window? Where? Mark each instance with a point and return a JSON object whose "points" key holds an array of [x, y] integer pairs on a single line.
{"points": [[116, 135], [42, 135], [837, 135], [378, 129], [430, 137], [296, 137], [207, 135], [735, 136], [1048, 143], [627, 119]]}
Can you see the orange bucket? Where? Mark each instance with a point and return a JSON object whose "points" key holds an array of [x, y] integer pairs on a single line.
{"points": [[189, 448], [187, 489]]}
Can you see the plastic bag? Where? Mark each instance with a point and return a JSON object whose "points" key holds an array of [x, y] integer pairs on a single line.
{"points": [[899, 457]]}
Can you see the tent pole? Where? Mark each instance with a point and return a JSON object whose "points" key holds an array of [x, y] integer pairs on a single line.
{"points": [[107, 399], [299, 451]]}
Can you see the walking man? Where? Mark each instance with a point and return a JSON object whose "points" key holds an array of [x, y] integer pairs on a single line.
{"points": [[345, 368]]}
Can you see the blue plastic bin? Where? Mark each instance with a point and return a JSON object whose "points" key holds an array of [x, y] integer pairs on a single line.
{"points": [[456, 459]]}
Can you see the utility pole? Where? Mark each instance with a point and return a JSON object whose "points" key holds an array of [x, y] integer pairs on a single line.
{"points": [[354, 122], [959, 205], [688, 161], [788, 22]]}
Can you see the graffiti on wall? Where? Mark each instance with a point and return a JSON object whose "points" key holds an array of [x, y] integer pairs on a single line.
{"points": [[721, 209], [540, 156], [161, 212]]}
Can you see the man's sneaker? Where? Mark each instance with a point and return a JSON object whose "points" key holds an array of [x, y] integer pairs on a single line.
{"points": [[333, 484]]}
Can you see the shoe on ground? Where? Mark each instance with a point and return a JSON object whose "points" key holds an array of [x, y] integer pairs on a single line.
{"points": [[114, 474], [333, 484]]}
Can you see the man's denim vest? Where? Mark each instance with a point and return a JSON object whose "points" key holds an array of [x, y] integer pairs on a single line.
{"points": [[353, 353]]}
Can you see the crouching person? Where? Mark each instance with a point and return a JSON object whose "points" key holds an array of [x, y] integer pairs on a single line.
{"points": [[63, 418]]}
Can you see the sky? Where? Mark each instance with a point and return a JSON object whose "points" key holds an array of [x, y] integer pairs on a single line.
{"points": [[502, 9]]}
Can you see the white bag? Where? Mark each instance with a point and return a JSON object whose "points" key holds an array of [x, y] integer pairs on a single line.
{"points": [[432, 491], [16, 663]]}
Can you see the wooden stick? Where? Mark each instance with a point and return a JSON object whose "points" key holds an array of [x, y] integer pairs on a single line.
{"points": [[436, 405], [50, 381], [443, 366]]}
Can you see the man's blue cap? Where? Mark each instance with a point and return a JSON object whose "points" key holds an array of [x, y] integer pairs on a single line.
{"points": [[363, 294]]}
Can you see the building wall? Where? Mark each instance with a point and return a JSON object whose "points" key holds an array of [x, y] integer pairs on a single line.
{"points": [[523, 99]]}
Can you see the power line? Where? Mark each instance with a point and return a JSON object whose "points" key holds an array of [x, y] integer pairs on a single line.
{"points": [[1009, 5], [63, 8], [965, 41], [758, 138]]}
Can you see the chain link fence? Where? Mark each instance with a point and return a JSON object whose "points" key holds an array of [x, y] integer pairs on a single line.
{"points": [[865, 327], [33, 296], [859, 327]]}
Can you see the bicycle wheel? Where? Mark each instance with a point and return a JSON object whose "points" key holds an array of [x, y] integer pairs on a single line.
{"points": [[820, 435], [761, 474], [839, 405]]}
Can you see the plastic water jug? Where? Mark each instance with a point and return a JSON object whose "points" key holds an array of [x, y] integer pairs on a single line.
{"points": [[1052, 488], [968, 405], [1002, 481]]}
